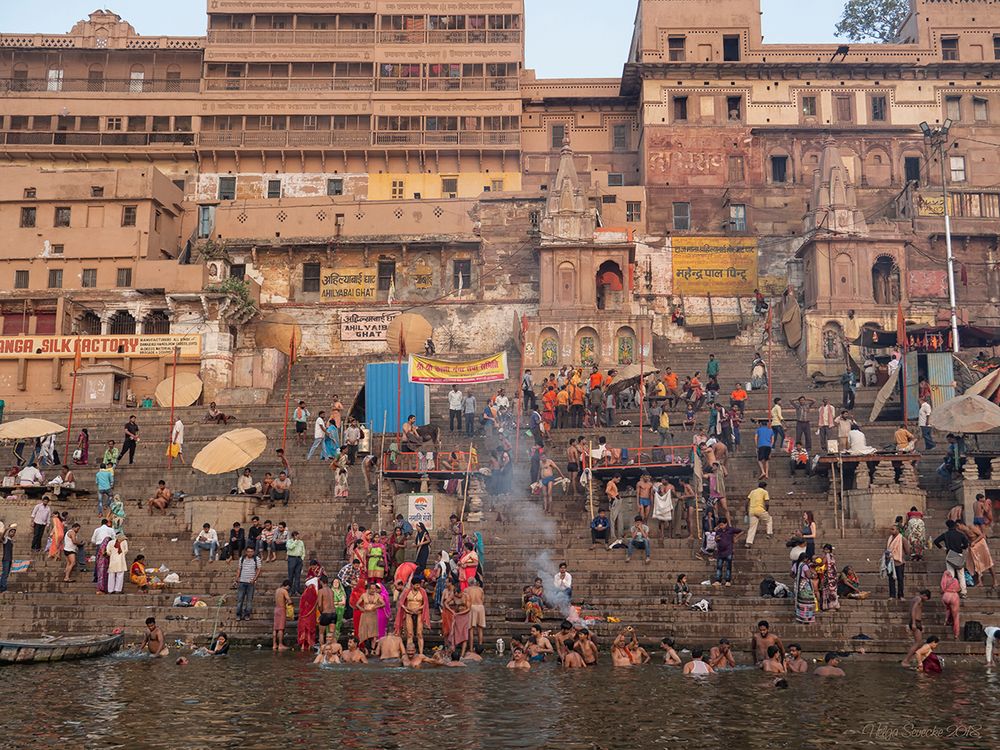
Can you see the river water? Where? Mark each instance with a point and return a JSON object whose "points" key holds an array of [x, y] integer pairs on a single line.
{"points": [[265, 700]]}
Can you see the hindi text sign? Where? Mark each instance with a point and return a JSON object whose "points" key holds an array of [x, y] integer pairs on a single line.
{"points": [[720, 266]]}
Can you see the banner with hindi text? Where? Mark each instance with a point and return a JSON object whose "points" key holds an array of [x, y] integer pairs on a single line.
{"points": [[429, 371], [720, 266]]}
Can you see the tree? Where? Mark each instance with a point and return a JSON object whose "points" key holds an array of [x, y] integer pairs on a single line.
{"points": [[873, 20]]}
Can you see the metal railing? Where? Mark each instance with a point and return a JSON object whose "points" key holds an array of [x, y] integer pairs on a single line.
{"points": [[315, 37], [289, 84], [101, 85], [72, 138]]}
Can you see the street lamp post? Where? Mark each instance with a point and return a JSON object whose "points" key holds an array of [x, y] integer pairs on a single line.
{"points": [[938, 139]]}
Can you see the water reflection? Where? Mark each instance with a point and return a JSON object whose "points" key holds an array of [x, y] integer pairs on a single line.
{"points": [[258, 700]]}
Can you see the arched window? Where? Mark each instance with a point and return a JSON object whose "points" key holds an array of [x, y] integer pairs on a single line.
{"points": [[89, 323], [566, 294], [122, 323], [885, 281], [844, 285], [610, 286], [549, 347], [625, 346], [156, 322]]}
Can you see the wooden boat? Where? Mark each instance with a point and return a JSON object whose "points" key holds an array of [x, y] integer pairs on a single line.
{"points": [[58, 648]]}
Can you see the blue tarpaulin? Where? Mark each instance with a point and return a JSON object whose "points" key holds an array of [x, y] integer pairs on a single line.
{"points": [[381, 384]]}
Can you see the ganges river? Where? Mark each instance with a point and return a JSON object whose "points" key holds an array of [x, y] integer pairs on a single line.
{"points": [[257, 699]]}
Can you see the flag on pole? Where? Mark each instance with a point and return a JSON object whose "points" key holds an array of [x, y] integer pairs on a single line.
{"points": [[291, 349], [901, 340], [77, 358], [392, 292]]}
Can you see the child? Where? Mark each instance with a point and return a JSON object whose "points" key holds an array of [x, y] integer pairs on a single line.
{"points": [[689, 417], [682, 594]]}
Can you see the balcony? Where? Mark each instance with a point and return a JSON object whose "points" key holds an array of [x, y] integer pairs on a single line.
{"points": [[289, 84], [304, 37], [354, 138], [74, 138], [100, 85], [456, 36]]}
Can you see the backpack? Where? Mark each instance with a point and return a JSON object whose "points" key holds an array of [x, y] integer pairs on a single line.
{"points": [[709, 545], [974, 631]]}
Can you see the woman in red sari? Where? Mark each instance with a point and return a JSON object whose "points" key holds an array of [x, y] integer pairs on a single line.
{"points": [[468, 565], [307, 617]]}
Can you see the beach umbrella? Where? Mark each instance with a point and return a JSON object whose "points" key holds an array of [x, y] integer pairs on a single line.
{"points": [[26, 429], [970, 414], [186, 392], [412, 330], [230, 451]]}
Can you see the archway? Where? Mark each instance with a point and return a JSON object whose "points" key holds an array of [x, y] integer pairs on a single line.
{"points": [[610, 286], [548, 348], [588, 346], [843, 277], [625, 346], [566, 284], [885, 281]]}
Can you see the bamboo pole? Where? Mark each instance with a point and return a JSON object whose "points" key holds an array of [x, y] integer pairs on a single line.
{"points": [[288, 389], [522, 401], [72, 402], [642, 387], [468, 481], [843, 532], [381, 470], [590, 484], [173, 399], [836, 496]]}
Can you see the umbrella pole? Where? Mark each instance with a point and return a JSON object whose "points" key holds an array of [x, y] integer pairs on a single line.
{"points": [[173, 397]]}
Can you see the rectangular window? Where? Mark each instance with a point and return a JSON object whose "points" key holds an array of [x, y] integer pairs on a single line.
{"points": [[633, 211], [113, 123], [619, 137], [30, 193], [676, 48], [398, 190], [682, 217], [227, 188], [879, 109], [62, 216], [20, 279], [88, 280], [335, 187], [953, 108], [779, 169], [461, 276], [809, 106], [957, 169], [123, 278], [738, 217], [730, 48], [981, 110], [680, 108], [29, 215], [386, 274], [734, 108], [129, 215], [449, 187], [558, 136], [238, 271], [273, 189], [57, 249], [96, 191], [911, 167], [616, 179], [55, 278], [842, 109], [310, 277], [949, 48], [996, 47], [55, 80], [496, 186], [736, 169]]}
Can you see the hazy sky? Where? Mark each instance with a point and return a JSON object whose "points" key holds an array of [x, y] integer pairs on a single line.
{"points": [[565, 37]]}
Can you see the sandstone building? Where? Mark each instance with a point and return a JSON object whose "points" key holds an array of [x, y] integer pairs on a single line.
{"points": [[320, 159]]}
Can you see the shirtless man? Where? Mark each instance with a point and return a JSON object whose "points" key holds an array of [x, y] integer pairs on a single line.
{"points": [[644, 496], [161, 500], [637, 653], [353, 655], [412, 660], [916, 624], [474, 655], [620, 655], [445, 658], [762, 640], [547, 476], [697, 665], [831, 667], [281, 601], [687, 494], [536, 645], [572, 465], [564, 638], [325, 606], [390, 647], [477, 613], [773, 662], [413, 604], [670, 657], [794, 662], [586, 647], [329, 653], [721, 656], [573, 660], [154, 641], [519, 660]]}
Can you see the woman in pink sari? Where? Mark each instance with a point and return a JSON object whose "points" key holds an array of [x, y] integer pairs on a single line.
{"points": [[950, 587], [385, 611], [307, 617], [101, 565]]}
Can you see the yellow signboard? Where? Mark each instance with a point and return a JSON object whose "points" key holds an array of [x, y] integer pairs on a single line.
{"points": [[105, 347], [720, 266], [438, 372], [348, 285]]}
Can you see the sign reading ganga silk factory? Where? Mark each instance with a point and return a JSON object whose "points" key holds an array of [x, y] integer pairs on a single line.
{"points": [[366, 326], [106, 347], [348, 286], [720, 266]]}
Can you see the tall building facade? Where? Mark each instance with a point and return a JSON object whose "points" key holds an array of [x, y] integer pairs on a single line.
{"points": [[313, 160]]}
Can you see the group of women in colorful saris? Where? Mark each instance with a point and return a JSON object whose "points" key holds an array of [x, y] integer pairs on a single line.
{"points": [[815, 581]]}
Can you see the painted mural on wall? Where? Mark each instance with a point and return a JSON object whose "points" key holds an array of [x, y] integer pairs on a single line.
{"points": [[720, 266]]}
